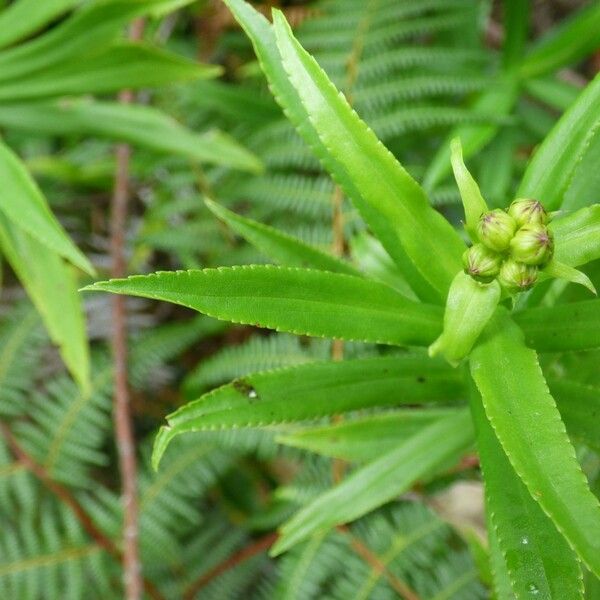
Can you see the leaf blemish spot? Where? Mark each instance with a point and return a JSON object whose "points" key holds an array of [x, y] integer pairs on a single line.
{"points": [[245, 388]]}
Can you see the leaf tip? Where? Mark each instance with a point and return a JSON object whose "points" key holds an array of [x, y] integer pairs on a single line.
{"points": [[98, 286], [279, 547], [163, 438]]}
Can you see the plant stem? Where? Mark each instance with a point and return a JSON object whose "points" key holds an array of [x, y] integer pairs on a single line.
{"points": [[378, 565], [246, 553], [125, 441]]}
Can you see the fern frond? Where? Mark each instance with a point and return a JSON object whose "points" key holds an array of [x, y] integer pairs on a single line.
{"points": [[310, 196], [67, 427], [259, 353], [45, 556], [151, 350], [21, 338], [420, 118], [18, 488], [372, 98]]}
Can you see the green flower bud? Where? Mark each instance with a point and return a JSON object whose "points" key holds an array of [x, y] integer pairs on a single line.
{"points": [[533, 244], [481, 263], [517, 277], [495, 229], [525, 211]]}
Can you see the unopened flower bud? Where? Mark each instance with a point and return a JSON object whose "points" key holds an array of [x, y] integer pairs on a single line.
{"points": [[517, 277], [525, 211], [495, 229], [481, 263], [532, 244]]}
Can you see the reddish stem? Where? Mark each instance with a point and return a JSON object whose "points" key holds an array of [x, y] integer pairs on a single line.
{"points": [[132, 577], [67, 498], [257, 547]]}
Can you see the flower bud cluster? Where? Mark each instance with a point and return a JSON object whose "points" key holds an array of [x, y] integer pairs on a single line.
{"points": [[513, 245]]}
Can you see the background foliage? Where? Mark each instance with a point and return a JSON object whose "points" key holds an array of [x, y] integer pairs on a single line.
{"points": [[205, 127]]}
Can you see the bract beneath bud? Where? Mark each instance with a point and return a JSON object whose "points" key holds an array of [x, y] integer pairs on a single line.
{"points": [[495, 229], [482, 263], [533, 244], [525, 211], [517, 277]]}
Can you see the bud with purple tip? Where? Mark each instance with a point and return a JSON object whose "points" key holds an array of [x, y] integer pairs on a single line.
{"points": [[533, 244], [517, 277], [495, 229], [481, 263]]}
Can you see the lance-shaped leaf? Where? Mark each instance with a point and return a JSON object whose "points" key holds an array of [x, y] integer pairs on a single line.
{"points": [[469, 306], [585, 182], [121, 66], [369, 175], [528, 425], [364, 438], [561, 271], [579, 406], [563, 327], [136, 124], [538, 559], [381, 480], [372, 259], [571, 41], [550, 171], [281, 247], [500, 577], [22, 202], [25, 17], [86, 32], [472, 200], [314, 390], [516, 27], [52, 287], [577, 236], [499, 100], [301, 301], [426, 237]]}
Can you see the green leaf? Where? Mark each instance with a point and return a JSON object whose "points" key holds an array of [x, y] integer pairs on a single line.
{"points": [[498, 100], [24, 17], [469, 307], [86, 32], [372, 259], [563, 327], [579, 406], [577, 236], [392, 202], [549, 173], [552, 91], [538, 559], [516, 28], [382, 480], [472, 200], [23, 203], [562, 271], [528, 425], [585, 182], [52, 287], [129, 65], [136, 124], [301, 301], [377, 191], [500, 577], [279, 246], [313, 390], [568, 43], [364, 438]]}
